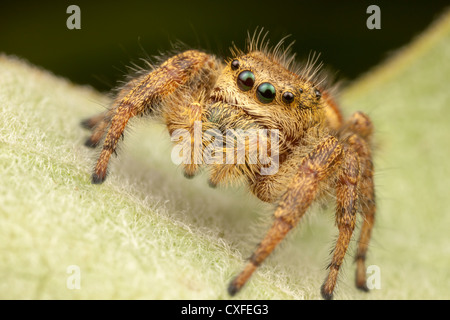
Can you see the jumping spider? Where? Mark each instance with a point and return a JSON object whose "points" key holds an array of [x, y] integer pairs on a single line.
{"points": [[318, 153]]}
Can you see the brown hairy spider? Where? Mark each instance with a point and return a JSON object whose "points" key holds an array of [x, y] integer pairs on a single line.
{"points": [[315, 154]]}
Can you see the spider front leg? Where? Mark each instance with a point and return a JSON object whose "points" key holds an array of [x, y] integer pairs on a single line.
{"points": [[316, 167], [178, 77], [187, 118], [346, 206], [99, 123]]}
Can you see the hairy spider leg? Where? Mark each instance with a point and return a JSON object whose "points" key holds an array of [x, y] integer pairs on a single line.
{"points": [[302, 190], [99, 123], [187, 117], [346, 207], [362, 126], [148, 94]]}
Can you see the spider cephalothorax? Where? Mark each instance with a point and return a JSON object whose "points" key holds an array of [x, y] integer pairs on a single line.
{"points": [[259, 118]]}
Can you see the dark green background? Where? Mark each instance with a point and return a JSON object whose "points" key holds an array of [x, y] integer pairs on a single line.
{"points": [[116, 33]]}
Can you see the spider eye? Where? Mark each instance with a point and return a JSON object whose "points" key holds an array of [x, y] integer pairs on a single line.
{"points": [[246, 80], [288, 97], [265, 92], [235, 64], [317, 93]]}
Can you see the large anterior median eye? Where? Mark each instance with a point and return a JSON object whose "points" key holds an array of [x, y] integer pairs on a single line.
{"points": [[265, 92], [246, 80]]}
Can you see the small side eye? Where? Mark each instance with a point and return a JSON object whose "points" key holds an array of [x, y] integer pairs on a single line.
{"points": [[265, 92], [245, 80], [288, 97], [235, 64], [317, 93], [300, 90]]}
